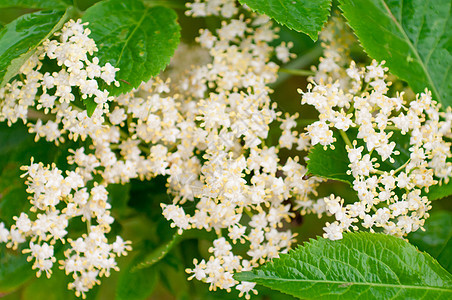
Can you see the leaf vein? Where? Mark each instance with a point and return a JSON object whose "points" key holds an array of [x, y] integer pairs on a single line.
{"points": [[132, 33], [410, 44]]}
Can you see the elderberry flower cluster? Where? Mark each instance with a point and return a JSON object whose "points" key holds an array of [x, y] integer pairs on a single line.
{"points": [[204, 124], [336, 40], [396, 148], [56, 199], [205, 131], [79, 78], [226, 110]]}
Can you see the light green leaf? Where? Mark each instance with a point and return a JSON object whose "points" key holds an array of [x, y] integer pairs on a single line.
{"points": [[137, 285], [437, 238], [40, 288], [136, 39], [440, 191], [20, 38], [360, 266], [414, 37], [301, 15], [157, 254], [37, 4], [90, 106], [54, 288]]}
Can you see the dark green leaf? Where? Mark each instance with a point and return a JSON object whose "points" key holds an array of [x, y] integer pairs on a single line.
{"points": [[37, 4], [16, 149], [136, 39], [13, 138], [333, 164], [14, 271], [119, 195], [330, 164], [437, 238], [360, 266], [14, 198], [301, 15], [146, 196], [414, 37], [20, 38], [175, 281]]}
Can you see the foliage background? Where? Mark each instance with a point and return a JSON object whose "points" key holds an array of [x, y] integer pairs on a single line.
{"points": [[136, 205]]}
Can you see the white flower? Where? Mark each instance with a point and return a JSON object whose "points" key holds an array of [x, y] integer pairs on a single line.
{"points": [[120, 247], [23, 223], [108, 73], [245, 288], [282, 52], [4, 233], [354, 154], [332, 231], [320, 133]]}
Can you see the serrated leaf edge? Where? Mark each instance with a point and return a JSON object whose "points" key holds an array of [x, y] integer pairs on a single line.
{"points": [[410, 44], [253, 277], [314, 36]]}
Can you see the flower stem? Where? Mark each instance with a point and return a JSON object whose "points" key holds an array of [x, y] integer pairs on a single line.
{"points": [[301, 62], [393, 128], [88, 225], [402, 166], [297, 72], [345, 138]]}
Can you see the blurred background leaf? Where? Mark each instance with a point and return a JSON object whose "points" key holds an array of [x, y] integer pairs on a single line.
{"points": [[437, 238]]}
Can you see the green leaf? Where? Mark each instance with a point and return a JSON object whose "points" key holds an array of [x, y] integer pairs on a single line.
{"points": [[301, 15], [330, 164], [20, 38], [137, 285], [414, 37], [159, 253], [119, 195], [39, 288], [13, 139], [361, 265], [14, 197], [37, 4], [90, 106], [16, 149], [437, 238], [333, 164], [440, 191], [54, 288], [136, 39], [14, 271]]}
